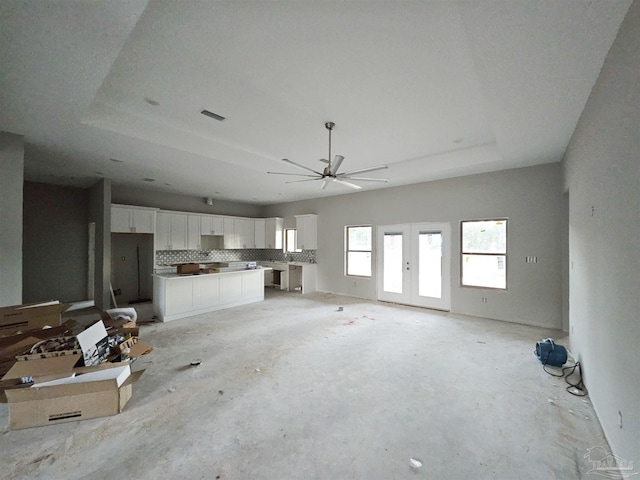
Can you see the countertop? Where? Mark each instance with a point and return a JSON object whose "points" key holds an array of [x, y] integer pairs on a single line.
{"points": [[224, 272]]}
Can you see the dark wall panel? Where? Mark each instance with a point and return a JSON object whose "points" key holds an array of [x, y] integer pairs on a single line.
{"points": [[55, 239]]}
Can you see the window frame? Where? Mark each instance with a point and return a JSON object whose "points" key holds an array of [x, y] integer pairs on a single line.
{"points": [[347, 250], [295, 241], [491, 254]]}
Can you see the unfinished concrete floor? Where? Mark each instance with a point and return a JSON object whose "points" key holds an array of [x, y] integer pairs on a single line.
{"points": [[291, 388]]}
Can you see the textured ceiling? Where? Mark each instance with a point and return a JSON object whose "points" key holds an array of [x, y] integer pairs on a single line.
{"points": [[432, 89]]}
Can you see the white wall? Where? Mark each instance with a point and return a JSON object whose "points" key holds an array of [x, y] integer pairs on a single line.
{"points": [[530, 197], [11, 180], [603, 178]]}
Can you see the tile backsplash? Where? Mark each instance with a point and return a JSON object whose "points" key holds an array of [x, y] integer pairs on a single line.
{"points": [[167, 257]]}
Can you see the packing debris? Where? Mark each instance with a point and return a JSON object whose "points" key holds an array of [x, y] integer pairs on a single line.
{"points": [[54, 372], [415, 463]]}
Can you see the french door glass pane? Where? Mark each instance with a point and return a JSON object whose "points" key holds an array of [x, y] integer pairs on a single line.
{"points": [[430, 264], [392, 268]]}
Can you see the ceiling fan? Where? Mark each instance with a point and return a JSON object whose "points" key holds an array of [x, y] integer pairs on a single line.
{"points": [[330, 172]]}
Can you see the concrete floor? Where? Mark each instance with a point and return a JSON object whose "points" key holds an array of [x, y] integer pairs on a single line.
{"points": [[291, 388]]}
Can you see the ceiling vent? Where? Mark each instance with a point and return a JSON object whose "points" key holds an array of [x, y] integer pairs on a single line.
{"points": [[212, 115]]}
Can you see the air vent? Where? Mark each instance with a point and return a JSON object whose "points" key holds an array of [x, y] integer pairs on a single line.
{"points": [[212, 115]]}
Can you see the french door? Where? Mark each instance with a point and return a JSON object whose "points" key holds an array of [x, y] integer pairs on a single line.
{"points": [[414, 264]]}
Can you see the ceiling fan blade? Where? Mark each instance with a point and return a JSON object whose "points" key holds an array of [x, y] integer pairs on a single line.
{"points": [[324, 160], [296, 174], [300, 166], [363, 179], [324, 184], [305, 180], [336, 164], [348, 184], [365, 170]]}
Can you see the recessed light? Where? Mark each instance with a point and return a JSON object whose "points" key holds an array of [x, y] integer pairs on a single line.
{"points": [[151, 101], [100, 173], [116, 160], [149, 179], [458, 140], [217, 193], [168, 184]]}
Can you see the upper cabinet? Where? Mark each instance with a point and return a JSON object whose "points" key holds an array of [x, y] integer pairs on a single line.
{"points": [[171, 231], [130, 219], [245, 232], [273, 232], [260, 239], [211, 225], [307, 232]]}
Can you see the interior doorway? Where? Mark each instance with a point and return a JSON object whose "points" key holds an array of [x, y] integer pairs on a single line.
{"points": [[414, 264]]}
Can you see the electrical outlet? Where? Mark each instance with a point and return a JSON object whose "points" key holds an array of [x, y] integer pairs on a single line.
{"points": [[122, 258], [619, 418], [355, 284], [117, 292], [484, 299]]}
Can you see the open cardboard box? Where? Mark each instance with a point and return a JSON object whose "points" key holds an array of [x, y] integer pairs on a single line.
{"points": [[49, 405], [20, 318]]}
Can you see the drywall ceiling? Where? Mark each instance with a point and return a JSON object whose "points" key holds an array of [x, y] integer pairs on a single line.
{"points": [[432, 89]]}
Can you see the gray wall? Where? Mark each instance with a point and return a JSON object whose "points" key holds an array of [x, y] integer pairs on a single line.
{"points": [[182, 203], [603, 178], [55, 243], [530, 197], [11, 179], [100, 213]]}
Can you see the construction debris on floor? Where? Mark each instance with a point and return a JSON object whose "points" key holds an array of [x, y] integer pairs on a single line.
{"points": [[54, 372]]}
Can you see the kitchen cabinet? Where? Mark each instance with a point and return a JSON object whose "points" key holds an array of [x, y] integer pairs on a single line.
{"points": [[211, 225], [177, 297], [193, 232], [302, 276], [171, 231], [245, 232], [130, 219], [273, 233], [260, 233], [307, 232], [230, 237]]}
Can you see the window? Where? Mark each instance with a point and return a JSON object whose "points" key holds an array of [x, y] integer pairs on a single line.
{"points": [[484, 253], [358, 259], [290, 235]]}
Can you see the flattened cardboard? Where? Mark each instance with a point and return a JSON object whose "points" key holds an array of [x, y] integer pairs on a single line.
{"points": [[139, 349], [33, 407], [94, 342], [40, 369], [20, 318]]}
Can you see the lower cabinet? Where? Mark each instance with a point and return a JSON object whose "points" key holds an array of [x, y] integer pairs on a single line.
{"points": [[178, 297]]}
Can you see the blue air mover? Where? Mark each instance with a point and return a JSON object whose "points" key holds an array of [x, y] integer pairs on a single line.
{"points": [[551, 354]]}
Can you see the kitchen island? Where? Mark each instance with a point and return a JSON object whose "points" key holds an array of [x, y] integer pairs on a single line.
{"points": [[178, 296]]}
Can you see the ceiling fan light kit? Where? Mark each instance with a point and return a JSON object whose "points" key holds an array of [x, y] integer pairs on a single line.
{"points": [[330, 172]]}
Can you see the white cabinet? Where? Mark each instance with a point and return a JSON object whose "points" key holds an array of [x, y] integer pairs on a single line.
{"points": [[230, 237], [129, 219], [211, 225], [177, 297], [307, 232], [260, 237], [171, 231], [273, 233], [193, 232], [245, 232]]}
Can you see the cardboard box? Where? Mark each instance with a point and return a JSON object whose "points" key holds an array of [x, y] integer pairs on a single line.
{"points": [[188, 268], [50, 405], [209, 270], [20, 318]]}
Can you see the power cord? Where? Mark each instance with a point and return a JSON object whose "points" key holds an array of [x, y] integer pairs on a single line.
{"points": [[578, 389]]}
